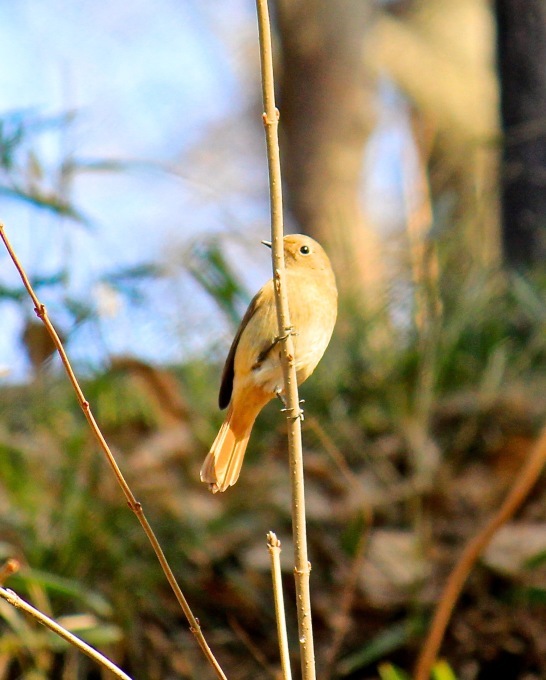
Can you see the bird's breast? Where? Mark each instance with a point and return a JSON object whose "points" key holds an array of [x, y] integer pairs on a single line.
{"points": [[313, 311]]}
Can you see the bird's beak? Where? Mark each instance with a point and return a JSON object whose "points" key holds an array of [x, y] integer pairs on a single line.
{"points": [[267, 243]]}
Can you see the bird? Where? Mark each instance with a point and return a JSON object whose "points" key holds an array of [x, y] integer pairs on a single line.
{"points": [[252, 374]]}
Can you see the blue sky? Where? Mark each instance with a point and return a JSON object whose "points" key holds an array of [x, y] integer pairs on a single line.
{"points": [[154, 81], [170, 82]]}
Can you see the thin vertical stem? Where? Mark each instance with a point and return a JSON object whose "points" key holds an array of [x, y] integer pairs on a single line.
{"points": [[274, 547], [302, 567]]}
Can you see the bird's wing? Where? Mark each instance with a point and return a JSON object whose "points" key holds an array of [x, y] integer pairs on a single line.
{"points": [[226, 385]]}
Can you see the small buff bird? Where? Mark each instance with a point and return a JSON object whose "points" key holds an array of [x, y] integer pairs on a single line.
{"points": [[252, 373]]}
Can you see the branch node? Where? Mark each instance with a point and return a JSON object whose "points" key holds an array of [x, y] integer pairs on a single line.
{"points": [[303, 572], [267, 121], [135, 506]]}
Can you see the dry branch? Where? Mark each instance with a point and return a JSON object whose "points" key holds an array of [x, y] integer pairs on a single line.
{"points": [[14, 599], [135, 506], [302, 566], [474, 548]]}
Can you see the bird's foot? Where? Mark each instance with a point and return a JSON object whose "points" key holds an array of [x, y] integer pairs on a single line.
{"points": [[280, 397], [289, 330], [285, 409], [300, 414]]}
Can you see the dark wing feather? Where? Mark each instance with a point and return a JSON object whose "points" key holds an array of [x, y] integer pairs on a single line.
{"points": [[226, 385]]}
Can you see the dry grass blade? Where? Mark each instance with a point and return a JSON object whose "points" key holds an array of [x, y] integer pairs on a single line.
{"points": [[517, 494], [135, 506]]}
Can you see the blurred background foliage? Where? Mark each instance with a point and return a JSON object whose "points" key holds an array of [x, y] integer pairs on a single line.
{"points": [[417, 420]]}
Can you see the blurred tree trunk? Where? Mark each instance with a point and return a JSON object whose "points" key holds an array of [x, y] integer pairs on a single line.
{"points": [[441, 54], [325, 98], [521, 42]]}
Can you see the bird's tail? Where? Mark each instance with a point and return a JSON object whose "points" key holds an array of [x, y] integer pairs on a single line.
{"points": [[223, 463]]}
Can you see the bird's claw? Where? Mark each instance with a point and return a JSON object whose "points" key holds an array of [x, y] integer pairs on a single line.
{"points": [[289, 330], [280, 396]]}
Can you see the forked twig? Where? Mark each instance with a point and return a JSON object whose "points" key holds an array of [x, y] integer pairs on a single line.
{"points": [[17, 602], [302, 567], [135, 506], [517, 494]]}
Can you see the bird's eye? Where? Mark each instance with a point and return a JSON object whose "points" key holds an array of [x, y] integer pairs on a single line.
{"points": [[304, 250]]}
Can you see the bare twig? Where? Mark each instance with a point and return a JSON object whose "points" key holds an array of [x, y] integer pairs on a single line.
{"points": [[302, 566], [135, 506], [274, 547], [19, 603], [517, 494]]}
